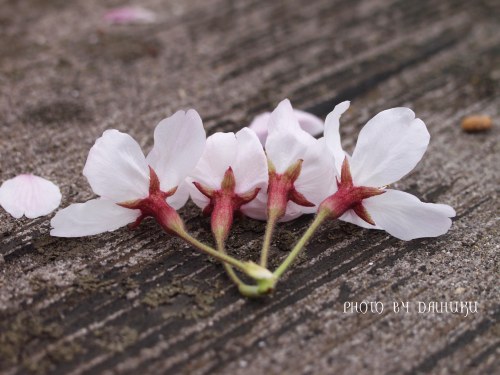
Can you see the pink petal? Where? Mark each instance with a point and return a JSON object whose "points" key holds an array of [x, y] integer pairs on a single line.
{"points": [[92, 217], [179, 143], [128, 15], [406, 217], [219, 154], [317, 177], [181, 196], [389, 146], [257, 209], [242, 152], [250, 166], [29, 195], [287, 142], [332, 133], [307, 121], [260, 125], [351, 217], [116, 168]]}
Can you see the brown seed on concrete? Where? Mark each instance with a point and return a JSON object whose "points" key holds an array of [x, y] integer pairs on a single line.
{"points": [[472, 124]]}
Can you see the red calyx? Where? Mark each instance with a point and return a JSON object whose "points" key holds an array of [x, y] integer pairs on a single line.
{"points": [[224, 202], [155, 205], [349, 197], [281, 189]]}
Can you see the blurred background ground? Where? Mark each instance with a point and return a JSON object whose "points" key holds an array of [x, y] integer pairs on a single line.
{"points": [[141, 302]]}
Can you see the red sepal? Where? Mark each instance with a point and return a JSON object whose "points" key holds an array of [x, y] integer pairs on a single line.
{"points": [[349, 197], [281, 190], [155, 205], [224, 203]]}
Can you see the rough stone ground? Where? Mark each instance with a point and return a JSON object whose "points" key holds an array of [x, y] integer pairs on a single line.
{"points": [[141, 302]]}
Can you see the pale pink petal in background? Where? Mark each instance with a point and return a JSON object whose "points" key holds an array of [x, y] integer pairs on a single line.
{"points": [[29, 195], [129, 15], [307, 121]]}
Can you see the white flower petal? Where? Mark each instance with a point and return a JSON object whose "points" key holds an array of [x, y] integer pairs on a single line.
{"points": [[260, 125], [130, 15], [198, 198], [293, 211], [29, 195], [286, 142], [389, 146], [350, 217], [242, 152], [332, 133], [250, 166], [257, 208], [179, 143], [116, 168], [92, 217], [307, 121], [404, 216], [220, 153], [317, 177], [181, 196]]}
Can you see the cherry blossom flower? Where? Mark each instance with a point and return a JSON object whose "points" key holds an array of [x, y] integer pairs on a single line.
{"points": [[29, 195], [129, 15], [300, 173], [131, 186], [389, 146], [231, 173], [307, 121]]}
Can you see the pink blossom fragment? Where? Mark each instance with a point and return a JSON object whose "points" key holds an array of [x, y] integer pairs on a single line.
{"points": [[129, 15], [29, 195], [307, 121]]}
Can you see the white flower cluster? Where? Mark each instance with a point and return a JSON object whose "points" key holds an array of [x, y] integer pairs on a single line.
{"points": [[389, 146], [274, 170]]}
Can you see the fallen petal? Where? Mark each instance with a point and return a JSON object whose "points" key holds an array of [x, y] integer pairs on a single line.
{"points": [[129, 15], [29, 195]]}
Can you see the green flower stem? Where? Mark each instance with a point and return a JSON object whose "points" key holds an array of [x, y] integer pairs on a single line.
{"points": [[249, 268], [271, 224], [226, 259], [318, 220], [245, 289]]}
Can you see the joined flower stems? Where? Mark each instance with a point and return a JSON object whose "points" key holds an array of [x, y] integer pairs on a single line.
{"points": [[244, 288], [222, 256], [264, 284], [249, 268]]}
